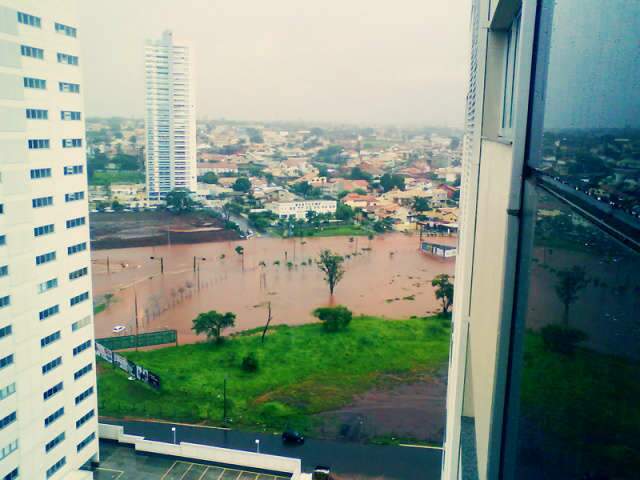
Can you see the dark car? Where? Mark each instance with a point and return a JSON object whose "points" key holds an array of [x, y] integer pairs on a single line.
{"points": [[292, 437]]}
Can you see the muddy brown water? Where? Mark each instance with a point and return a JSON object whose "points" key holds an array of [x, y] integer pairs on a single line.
{"points": [[392, 279]]}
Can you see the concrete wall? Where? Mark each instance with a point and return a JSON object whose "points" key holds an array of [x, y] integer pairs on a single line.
{"points": [[240, 458]]}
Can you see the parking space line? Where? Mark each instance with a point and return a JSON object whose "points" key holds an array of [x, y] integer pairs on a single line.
{"points": [[168, 471], [203, 473], [189, 468], [119, 472]]}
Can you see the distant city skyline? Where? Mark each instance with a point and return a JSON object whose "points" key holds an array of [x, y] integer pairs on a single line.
{"points": [[353, 63]]}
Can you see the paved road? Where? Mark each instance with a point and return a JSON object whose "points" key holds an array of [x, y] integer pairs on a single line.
{"points": [[390, 462]]}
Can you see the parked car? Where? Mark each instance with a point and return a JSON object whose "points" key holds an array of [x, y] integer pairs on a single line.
{"points": [[292, 437], [321, 472]]}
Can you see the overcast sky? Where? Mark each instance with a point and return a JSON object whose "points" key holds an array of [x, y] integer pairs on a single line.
{"points": [[355, 61]]}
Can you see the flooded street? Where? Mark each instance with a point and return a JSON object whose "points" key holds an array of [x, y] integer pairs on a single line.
{"points": [[388, 276]]}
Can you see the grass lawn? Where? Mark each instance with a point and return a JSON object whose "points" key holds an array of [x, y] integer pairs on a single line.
{"points": [[329, 231], [121, 176], [303, 370], [587, 401]]}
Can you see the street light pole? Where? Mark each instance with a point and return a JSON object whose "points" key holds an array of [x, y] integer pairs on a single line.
{"points": [[161, 263], [173, 429], [257, 445], [224, 401]]}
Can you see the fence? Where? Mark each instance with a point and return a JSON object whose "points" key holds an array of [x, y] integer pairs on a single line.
{"points": [[141, 340], [134, 370]]}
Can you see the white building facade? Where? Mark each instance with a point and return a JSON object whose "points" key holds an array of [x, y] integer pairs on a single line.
{"points": [[170, 117], [299, 209], [48, 408]]}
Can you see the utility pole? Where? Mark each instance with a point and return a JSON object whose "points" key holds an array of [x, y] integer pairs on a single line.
{"points": [[264, 332], [108, 265], [224, 406], [135, 303]]}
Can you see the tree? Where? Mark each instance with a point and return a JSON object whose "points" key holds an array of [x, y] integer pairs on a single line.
{"points": [[421, 204], [334, 318], [210, 178], [570, 283], [444, 291], [358, 174], [231, 208], [180, 201], [331, 264], [212, 323], [250, 362], [390, 181], [242, 184], [240, 251], [344, 212]]}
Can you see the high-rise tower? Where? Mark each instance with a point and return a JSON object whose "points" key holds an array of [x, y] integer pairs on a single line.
{"points": [[48, 416], [170, 117]]}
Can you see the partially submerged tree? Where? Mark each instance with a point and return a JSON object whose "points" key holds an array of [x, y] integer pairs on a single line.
{"points": [[570, 283], [444, 291], [179, 200], [331, 264], [240, 251], [212, 323], [334, 318]]}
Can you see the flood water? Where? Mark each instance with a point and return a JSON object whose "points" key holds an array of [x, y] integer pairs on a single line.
{"points": [[389, 277]]}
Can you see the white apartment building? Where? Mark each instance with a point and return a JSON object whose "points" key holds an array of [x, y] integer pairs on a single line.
{"points": [[48, 408], [170, 117], [299, 209]]}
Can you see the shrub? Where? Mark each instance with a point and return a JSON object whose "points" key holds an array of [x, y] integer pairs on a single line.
{"points": [[250, 362], [561, 339], [334, 318]]}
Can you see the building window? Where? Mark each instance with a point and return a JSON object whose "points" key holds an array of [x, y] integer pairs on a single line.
{"points": [[66, 30], [85, 418], [49, 339], [71, 142], [81, 348], [87, 393], [53, 417], [8, 420], [6, 361], [4, 270], [44, 230], [12, 475], [9, 449], [40, 173], [49, 312], [6, 331], [53, 469], [7, 391], [73, 249], [45, 258], [41, 202], [57, 388], [30, 20], [69, 115], [37, 83], [3, 240], [5, 301], [83, 371], [73, 170], [47, 367], [72, 197], [88, 439], [76, 222], [79, 299], [69, 87], [510, 79], [81, 272], [37, 114], [48, 285], [67, 59], [54, 443], [38, 143], [32, 52]]}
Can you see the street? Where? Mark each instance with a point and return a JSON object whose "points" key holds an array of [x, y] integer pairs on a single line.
{"points": [[388, 462]]}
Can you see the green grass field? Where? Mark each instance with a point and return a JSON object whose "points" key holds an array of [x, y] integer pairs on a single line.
{"points": [[122, 176], [328, 231], [303, 370]]}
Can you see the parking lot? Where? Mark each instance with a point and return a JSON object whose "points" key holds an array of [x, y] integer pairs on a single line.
{"points": [[123, 463]]}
